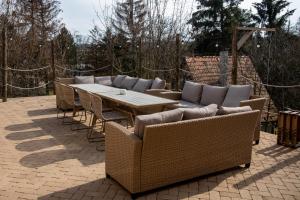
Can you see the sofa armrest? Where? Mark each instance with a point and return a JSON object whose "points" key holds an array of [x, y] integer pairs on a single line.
{"points": [[155, 92], [122, 156], [66, 80], [256, 103], [171, 95]]}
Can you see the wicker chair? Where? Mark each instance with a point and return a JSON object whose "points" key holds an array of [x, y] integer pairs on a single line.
{"points": [[61, 106], [100, 115], [69, 100]]}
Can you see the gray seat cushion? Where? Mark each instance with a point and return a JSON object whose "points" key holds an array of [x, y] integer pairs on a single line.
{"points": [[231, 110], [142, 121], [117, 82], [142, 85], [195, 113], [84, 80], [184, 104], [213, 95], [158, 84], [192, 92], [236, 94], [128, 82], [103, 80]]}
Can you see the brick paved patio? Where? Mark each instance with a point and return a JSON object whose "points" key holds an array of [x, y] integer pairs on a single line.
{"points": [[42, 159]]}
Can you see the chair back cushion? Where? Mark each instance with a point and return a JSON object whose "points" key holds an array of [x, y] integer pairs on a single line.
{"points": [[142, 121], [158, 84], [231, 110], [142, 85], [128, 82], [196, 113], [84, 80], [103, 80], [236, 94], [192, 92], [117, 82], [213, 95]]}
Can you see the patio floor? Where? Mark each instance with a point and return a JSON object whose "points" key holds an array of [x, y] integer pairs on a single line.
{"points": [[42, 159]]}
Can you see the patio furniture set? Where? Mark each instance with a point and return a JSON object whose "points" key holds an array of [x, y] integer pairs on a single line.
{"points": [[183, 135]]}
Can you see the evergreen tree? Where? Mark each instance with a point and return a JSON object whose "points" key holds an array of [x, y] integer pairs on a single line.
{"points": [[213, 22], [66, 47], [129, 23], [272, 13]]}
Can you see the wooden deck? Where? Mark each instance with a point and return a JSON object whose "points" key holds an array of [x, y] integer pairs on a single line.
{"points": [[42, 159]]}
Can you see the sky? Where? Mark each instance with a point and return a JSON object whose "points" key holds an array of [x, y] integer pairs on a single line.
{"points": [[80, 15]]}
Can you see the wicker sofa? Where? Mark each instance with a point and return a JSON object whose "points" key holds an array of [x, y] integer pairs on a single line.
{"points": [[255, 102], [179, 151]]}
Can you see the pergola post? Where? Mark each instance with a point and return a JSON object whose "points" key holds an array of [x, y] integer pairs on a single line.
{"points": [[53, 66], [178, 63], [4, 62], [234, 57], [238, 44]]}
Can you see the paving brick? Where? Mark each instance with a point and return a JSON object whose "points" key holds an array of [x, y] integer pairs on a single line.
{"points": [[43, 159]]}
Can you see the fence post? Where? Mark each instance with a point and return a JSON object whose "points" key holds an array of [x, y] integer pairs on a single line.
{"points": [[4, 62], [234, 57], [178, 63], [140, 57], [53, 66], [111, 53]]}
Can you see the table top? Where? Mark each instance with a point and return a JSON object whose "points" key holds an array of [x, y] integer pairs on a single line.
{"points": [[132, 99]]}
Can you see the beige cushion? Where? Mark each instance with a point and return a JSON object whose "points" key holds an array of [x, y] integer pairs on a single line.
{"points": [[103, 80], [232, 110], [142, 85], [158, 84], [128, 82], [195, 113], [117, 82], [236, 94], [192, 92], [142, 121], [84, 80], [213, 95]]}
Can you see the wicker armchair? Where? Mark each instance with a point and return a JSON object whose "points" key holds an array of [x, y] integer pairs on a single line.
{"points": [[61, 106], [69, 100], [103, 116], [175, 152]]}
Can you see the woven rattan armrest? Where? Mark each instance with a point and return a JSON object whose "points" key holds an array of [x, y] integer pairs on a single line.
{"points": [[123, 153], [256, 103], [171, 95], [155, 92], [66, 80]]}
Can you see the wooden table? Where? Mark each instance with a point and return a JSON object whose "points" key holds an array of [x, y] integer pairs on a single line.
{"points": [[136, 101]]}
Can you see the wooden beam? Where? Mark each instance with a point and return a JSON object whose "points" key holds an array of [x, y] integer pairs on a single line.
{"points": [[243, 40], [256, 29]]}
